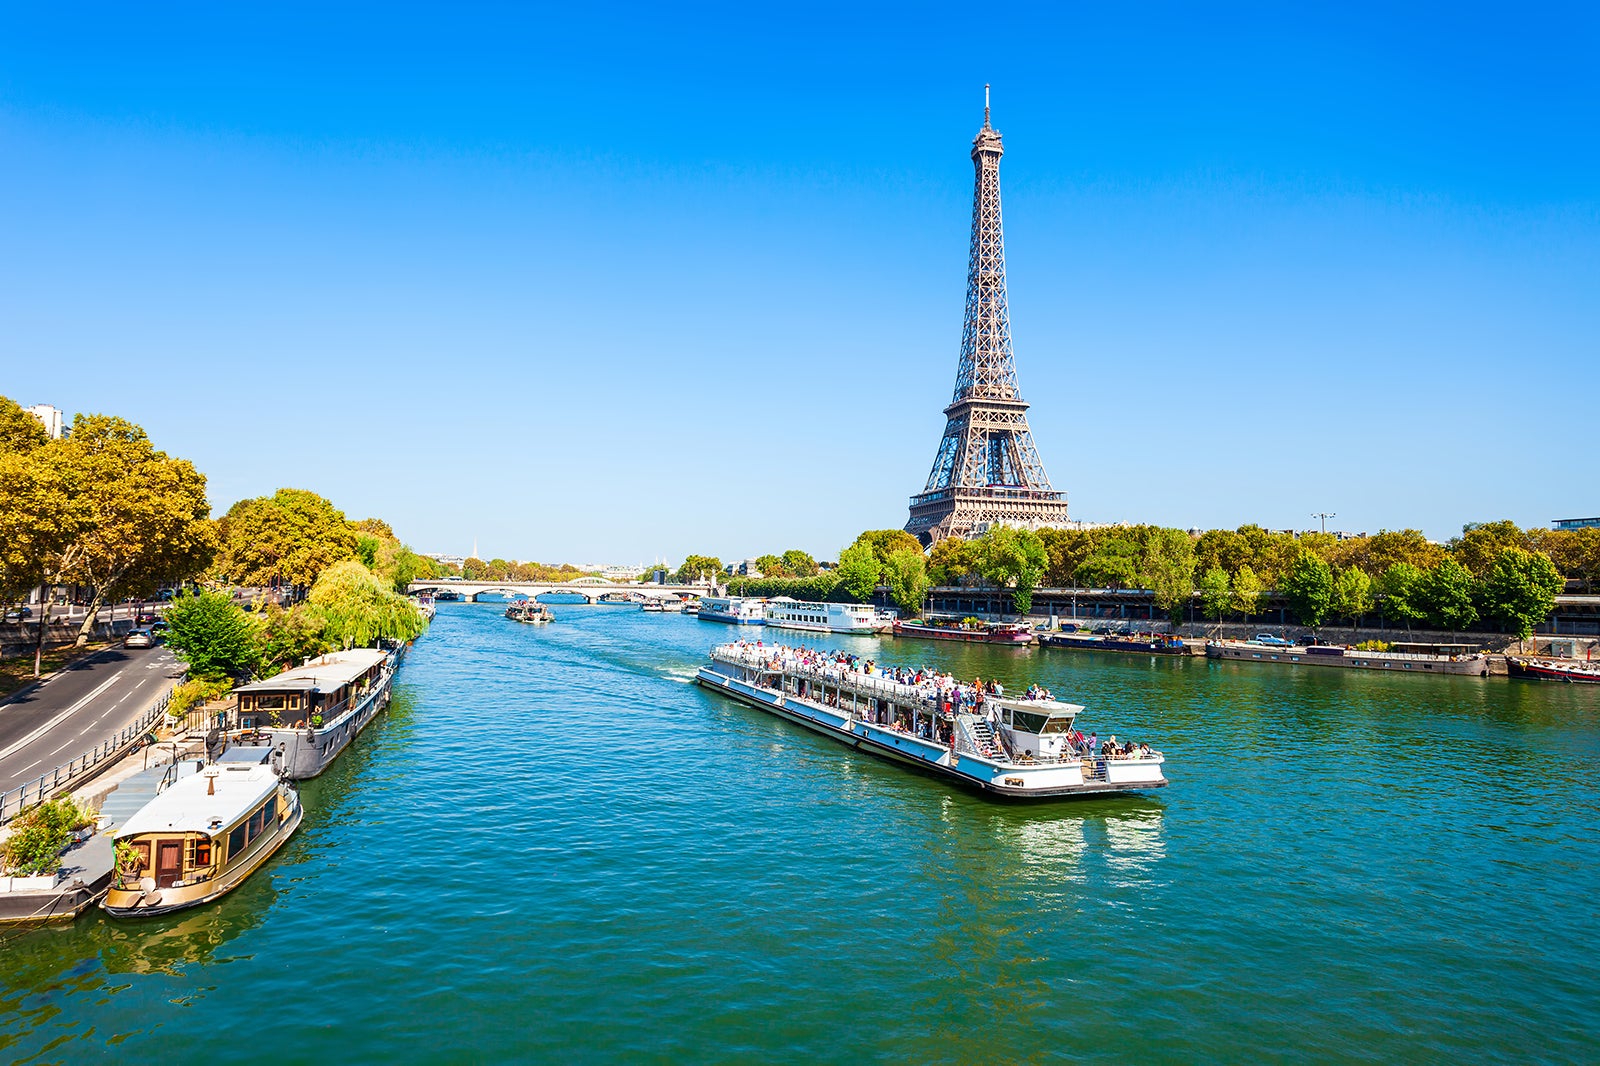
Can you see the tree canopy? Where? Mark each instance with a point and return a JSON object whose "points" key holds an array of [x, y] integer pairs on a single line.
{"points": [[288, 538], [1309, 588], [211, 634], [356, 608], [1519, 590]]}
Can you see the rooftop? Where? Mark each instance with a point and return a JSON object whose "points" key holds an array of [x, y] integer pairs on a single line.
{"points": [[329, 672]]}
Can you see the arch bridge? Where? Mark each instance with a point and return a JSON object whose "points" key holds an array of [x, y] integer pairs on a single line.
{"points": [[592, 589]]}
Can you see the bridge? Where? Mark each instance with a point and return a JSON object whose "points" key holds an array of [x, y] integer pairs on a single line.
{"points": [[592, 589]]}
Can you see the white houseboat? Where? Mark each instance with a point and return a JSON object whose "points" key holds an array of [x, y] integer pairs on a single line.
{"points": [[1012, 748], [312, 711], [857, 618], [735, 610], [202, 834]]}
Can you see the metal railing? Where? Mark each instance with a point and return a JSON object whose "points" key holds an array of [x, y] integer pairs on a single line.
{"points": [[46, 785]]}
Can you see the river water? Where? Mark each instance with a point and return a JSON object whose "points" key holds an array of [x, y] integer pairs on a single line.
{"points": [[552, 845]]}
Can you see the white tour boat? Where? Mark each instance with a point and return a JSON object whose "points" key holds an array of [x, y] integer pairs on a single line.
{"points": [[1006, 747], [736, 610], [858, 618]]}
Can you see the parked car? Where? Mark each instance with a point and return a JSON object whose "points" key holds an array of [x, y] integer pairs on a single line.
{"points": [[1271, 641], [139, 638], [158, 627], [17, 614]]}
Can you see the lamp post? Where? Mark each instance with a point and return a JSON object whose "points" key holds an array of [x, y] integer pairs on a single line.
{"points": [[1324, 515]]}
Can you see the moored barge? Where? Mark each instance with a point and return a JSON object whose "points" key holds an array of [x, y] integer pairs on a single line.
{"points": [[1421, 658], [1150, 645], [313, 711], [1571, 671], [1016, 633], [1007, 748]]}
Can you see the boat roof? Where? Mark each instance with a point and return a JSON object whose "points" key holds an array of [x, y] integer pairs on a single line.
{"points": [[1048, 707], [190, 805], [330, 671]]}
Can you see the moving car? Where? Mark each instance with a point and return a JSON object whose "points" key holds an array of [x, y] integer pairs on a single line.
{"points": [[139, 638], [17, 614]]}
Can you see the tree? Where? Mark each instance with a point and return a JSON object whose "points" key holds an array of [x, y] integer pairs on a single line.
{"points": [[1445, 596], [1247, 589], [697, 568], [1352, 594], [1216, 593], [1520, 589], [907, 572], [1067, 548], [1114, 564], [212, 635], [801, 564], [20, 432], [1308, 586], [376, 527], [1222, 549], [1400, 594], [859, 570], [772, 566], [289, 637], [289, 538], [1166, 568], [356, 609], [474, 569], [1385, 548], [885, 542], [1481, 543], [140, 518], [1016, 559], [954, 560]]}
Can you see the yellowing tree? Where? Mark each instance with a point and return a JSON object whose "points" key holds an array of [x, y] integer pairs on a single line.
{"points": [[289, 537]]}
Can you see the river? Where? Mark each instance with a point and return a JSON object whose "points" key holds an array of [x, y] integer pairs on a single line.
{"points": [[552, 845]]}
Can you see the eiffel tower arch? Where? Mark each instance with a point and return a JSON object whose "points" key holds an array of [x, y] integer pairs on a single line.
{"points": [[987, 470]]}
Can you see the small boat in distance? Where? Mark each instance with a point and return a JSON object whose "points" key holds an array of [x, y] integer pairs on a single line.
{"points": [[530, 611], [1571, 671], [968, 631], [202, 834], [735, 610], [1002, 746], [1148, 644], [855, 618]]}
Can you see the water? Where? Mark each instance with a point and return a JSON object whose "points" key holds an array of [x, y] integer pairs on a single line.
{"points": [[552, 845]]}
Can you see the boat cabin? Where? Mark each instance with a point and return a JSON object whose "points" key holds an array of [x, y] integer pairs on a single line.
{"points": [[315, 693], [1039, 728], [203, 823]]}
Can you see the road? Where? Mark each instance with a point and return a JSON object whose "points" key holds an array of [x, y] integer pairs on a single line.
{"points": [[79, 708]]}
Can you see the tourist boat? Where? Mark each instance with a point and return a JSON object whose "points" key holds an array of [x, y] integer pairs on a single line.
{"points": [[784, 613], [203, 834], [1017, 633], [313, 711], [1016, 749], [424, 604], [1140, 645], [1572, 671], [530, 611], [673, 606], [692, 607], [736, 610], [1401, 657]]}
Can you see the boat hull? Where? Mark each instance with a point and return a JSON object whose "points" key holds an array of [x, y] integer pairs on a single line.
{"points": [[1535, 670], [1012, 783], [127, 903], [309, 751], [1472, 665], [1135, 647], [964, 636]]}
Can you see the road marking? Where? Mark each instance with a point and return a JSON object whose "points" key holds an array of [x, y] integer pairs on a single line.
{"points": [[63, 716]]}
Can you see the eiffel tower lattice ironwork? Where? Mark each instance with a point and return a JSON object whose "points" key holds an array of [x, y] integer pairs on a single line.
{"points": [[987, 470]]}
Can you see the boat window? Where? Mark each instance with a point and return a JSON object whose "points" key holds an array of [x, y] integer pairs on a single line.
{"points": [[202, 853], [1029, 722], [1057, 725], [236, 840], [142, 849], [271, 703]]}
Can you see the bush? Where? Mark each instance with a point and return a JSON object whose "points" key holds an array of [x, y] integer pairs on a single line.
{"points": [[1373, 645], [195, 691], [39, 834]]}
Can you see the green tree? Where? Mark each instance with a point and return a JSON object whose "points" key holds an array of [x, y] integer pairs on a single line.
{"points": [[1519, 590], [1400, 594], [367, 548], [1352, 594], [801, 564], [954, 561], [1247, 590], [212, 635], [475, 569], [1216, 593], [1308, 586], [289, 538], [1114, 564], [1067, 548], [289, 637], [1015, 559], [1481, 543], [908, 580], [1377, 553], [772, 566], [357, 609], [697, 568], [859, 571], [1445, 595], [1166, 568], [1222, 549], [885, 542]]}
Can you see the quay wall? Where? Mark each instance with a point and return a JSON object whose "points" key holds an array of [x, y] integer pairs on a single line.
{"points": [[18, 638]]}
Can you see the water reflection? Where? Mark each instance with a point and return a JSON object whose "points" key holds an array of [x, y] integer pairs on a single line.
{"points": [[170, 945]]}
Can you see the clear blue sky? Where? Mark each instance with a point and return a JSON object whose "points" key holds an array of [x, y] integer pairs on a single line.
{"points": [[486, 271]]}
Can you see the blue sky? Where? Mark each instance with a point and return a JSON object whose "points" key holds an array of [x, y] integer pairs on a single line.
{"points": [[625, 282]]}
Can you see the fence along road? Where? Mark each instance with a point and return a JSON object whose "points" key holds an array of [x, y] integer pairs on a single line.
{"points": [[89, 703]]}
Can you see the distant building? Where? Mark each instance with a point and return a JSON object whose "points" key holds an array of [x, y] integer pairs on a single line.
{"points": [[1576, 523], [620, 573], [51, 417], [743, 568], [441, 557]]}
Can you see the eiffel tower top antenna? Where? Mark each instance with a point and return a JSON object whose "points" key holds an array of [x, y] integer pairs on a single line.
{"points": [[986, 104]]}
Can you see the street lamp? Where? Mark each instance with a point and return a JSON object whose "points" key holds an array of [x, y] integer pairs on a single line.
{"points": [[1324, 515]]}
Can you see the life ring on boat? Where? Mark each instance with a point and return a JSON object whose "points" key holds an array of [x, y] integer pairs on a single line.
{"points": [[301, 724]]}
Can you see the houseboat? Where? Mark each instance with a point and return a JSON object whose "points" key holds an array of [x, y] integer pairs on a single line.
{"points": [[1007, 748], [1150, 644], [312, 711], [735, 610], [1571, 671], [971, 631], [1400, 658], [672, 606], [856, 618], [530, 611], [203, 834]]}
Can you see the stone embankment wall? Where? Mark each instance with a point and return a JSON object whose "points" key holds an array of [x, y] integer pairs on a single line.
{"points": [[18, 639]]}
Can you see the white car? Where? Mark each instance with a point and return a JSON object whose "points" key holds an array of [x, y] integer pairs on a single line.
{"points": [[139, 638]]}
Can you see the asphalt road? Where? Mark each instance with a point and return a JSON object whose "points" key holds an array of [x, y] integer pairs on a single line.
{"points": [[82, 706]]}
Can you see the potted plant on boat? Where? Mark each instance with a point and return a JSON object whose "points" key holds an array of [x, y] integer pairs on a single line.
{"points": [[32, 855]]}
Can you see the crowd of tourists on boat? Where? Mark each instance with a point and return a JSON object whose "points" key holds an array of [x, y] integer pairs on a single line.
{"points": [[941, 690]]}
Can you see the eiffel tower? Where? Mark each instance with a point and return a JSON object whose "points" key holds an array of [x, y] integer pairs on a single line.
{"points": [[987, 471]]}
